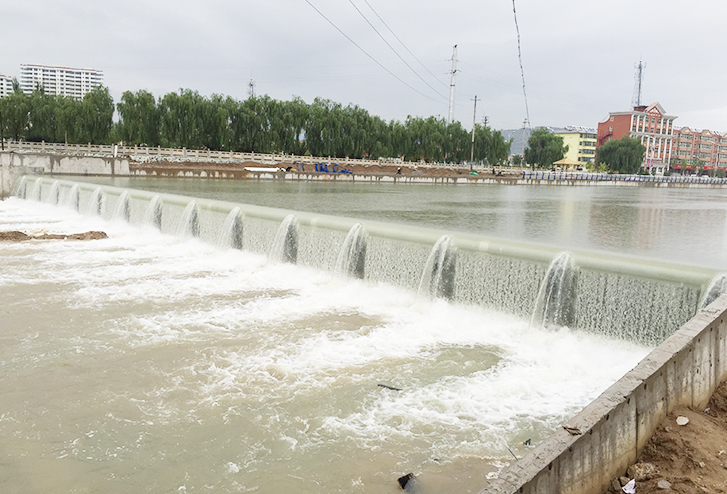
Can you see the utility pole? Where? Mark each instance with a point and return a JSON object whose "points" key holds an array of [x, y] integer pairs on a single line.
{"points": [[474, 119], [525, 124], [451, 84]]}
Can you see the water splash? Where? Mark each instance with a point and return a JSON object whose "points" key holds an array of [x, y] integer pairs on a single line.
{"points": [[96, 203], [351, 259], [558, 295], [153, 213], [285, 244], [122, 211], [73, 198], [717, 287], [438, 278], [21, 187], [189, 222], [231, 233], [37, 190], [54, 193]]}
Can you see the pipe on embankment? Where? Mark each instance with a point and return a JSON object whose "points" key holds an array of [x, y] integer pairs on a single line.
{"points": [[684, 370]]}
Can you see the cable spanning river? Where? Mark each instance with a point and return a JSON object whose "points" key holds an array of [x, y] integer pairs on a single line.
{"points": [[151, 363]]}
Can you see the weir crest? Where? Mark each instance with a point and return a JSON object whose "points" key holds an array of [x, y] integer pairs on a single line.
{"points": [[619, 296]]}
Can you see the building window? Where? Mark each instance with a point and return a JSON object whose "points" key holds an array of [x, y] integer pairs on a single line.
{"points": [[610, 129]]}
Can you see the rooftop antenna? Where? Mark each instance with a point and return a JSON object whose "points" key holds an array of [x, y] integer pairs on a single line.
{"points": [[451, 84], [251, 89], [638, 80]]}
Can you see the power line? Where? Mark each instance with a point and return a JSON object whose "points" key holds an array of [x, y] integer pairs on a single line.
{"points": [[367, 54], [520, 58], [402, 44], [392, 49]]}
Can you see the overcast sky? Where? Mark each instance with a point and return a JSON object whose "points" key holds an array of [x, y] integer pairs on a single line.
{"points": [[578, 55]]}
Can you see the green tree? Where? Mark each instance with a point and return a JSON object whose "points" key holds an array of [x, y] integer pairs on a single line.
{"points": [[490, 147], [68, 118], [15, 115], [97, 112], [544, 148], [42, 124], [697, 165], [139, 118], [624, 155]]}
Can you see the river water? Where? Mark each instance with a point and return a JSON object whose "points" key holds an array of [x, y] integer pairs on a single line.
{"points": [[684, 225], [151, 363]]}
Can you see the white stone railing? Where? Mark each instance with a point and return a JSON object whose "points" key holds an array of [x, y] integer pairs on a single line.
{"points": [[203, 154]]}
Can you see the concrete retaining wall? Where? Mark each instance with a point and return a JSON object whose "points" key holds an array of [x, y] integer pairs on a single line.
{"points": [[14, 165], [684, 370]]}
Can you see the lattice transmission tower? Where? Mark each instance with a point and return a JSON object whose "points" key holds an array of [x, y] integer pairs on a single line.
{"points": [[638, 81]]}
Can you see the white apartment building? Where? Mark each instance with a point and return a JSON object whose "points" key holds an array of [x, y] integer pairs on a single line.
{"points": [[6, 85], [59, 79]]}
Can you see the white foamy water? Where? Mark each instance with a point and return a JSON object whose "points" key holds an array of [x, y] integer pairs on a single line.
{"points": [[149, 363]]}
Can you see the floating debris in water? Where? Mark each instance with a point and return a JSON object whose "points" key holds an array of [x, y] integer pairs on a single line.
{"points": [[389, 387], [407, 482]]}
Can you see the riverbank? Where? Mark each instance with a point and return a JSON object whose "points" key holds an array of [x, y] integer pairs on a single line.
{"points": [[143, 166], [685, 458]]}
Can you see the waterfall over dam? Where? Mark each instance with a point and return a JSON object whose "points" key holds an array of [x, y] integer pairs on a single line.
{"points": [[619, 296]]}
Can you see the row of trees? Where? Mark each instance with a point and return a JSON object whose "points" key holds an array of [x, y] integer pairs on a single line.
{"points": [[44, 117], [322, 128], [257, 124]]}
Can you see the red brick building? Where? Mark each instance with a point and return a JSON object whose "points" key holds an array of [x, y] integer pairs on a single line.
{"points": [[699, 150], [650, 124]]}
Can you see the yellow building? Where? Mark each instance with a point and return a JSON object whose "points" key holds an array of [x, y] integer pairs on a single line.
{"points": [[581, 142]]}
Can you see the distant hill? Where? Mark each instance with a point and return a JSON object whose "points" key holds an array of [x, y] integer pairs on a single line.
{"points": [[517, 139]]}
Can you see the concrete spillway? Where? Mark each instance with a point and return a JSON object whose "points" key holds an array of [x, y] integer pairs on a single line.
{"points": [[619, 296]]}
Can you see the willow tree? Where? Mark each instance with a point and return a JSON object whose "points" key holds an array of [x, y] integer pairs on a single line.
{"points": [[139, 118], [624, 155], [544, 148], [97, 114]]}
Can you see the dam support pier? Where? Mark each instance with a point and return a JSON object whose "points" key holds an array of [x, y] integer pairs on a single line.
{"points": [[600, 443]]}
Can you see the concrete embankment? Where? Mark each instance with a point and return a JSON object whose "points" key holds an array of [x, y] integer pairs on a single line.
{"points": [[449, 174], [14, 165], [600, 443]]}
